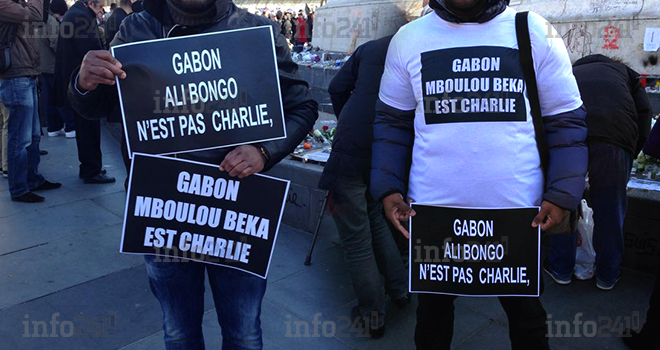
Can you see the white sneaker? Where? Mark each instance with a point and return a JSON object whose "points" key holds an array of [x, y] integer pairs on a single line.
{"points": [[56, 133], [71, 134]]}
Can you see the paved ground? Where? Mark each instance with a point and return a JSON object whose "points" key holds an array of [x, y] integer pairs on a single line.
{"points": [[61, 258]]}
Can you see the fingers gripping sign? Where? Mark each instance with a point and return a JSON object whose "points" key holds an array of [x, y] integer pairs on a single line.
{"points": [[549, 216], [398, 211], [99, 67], [243, 161]]}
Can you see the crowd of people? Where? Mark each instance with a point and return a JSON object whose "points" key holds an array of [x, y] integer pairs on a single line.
{"points": [[297, 28], [34, 84], [391, 148]]}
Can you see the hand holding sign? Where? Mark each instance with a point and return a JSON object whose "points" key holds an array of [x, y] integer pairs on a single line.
{"points": [[549, 216], [397, 211], [243, 162], [99, 67]]}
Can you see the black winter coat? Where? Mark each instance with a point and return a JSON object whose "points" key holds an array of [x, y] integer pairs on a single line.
{"points": [[79, 34], [354, 92], [618, 109], [113, 23], [155, 22]]}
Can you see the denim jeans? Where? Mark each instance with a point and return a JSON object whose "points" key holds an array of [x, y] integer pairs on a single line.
{"points": [[58, 116], [609, 173], [4, 136], [19, 95], [369, 248], [179, 287], [563, 248]]}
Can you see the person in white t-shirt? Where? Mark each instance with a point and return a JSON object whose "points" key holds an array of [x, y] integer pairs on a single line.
{"points": [[453, 104]]}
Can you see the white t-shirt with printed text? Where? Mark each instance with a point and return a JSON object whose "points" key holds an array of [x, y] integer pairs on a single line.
{"points": [[474, 135]]}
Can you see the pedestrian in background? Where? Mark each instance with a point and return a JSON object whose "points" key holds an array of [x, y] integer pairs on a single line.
{"points": [[300, 35], [118, 16], [59, 117], [113, 7], [618, 122], [82, 19], [4, 137], [287, 27], [369, 248], [18, 92]]}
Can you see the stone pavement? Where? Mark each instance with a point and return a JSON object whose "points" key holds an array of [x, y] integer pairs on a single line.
{"points": [[59, 259]]}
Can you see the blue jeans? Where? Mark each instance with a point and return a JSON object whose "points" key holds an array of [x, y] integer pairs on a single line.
{"points": [[58, 116], [609, 173], [179, 287], [19, 95], [369, 248], [562, 255]]}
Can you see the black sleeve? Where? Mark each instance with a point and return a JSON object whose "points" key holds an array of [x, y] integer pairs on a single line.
{"points": [[102, 102], [644, 110], [300, 110], [342, 85]]}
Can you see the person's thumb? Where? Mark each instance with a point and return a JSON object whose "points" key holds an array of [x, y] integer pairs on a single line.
{"points": [[538, 220]]}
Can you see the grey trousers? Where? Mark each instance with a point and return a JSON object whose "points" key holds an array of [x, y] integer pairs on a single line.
{"points": [[369, 249]]}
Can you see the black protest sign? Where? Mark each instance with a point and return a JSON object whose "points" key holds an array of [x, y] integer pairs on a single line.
{"points": [[474, 252], [184, 209], [200, 92], [473, 84]]}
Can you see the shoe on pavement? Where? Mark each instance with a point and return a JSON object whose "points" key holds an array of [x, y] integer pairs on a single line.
{"points": [[56, 133], [47, 185], [5, 174], [403, 301], [29, 197], [99, 179], [43, 152], [548, 270], [603, 286], [374, 333], [70, 134]]}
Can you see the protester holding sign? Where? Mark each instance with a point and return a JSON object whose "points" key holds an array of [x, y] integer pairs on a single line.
{"points": [[180, 286], [453, 102]]}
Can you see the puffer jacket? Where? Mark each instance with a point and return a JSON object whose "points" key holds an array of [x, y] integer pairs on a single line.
{"points": [[24, 52], [155, 22]]}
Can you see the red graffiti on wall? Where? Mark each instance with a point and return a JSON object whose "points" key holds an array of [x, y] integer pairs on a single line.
{"points": [[612, 34]]}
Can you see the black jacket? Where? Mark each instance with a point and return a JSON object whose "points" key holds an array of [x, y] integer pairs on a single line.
{"points": [[113, 23], [155, 22], [79, 34], [618, 109], [354, 92]]}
